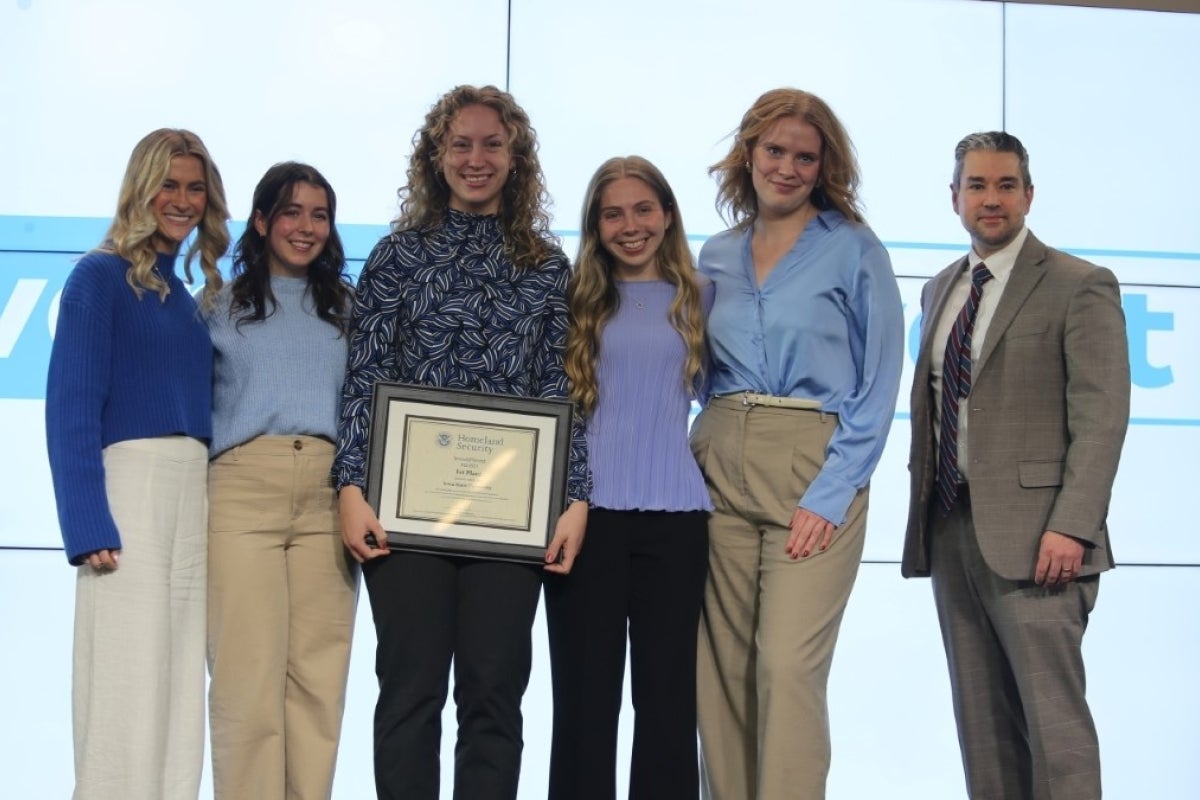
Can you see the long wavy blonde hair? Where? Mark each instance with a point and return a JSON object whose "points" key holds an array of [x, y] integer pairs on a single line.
{"points": [[523, 200], [131, 234], [592, 294], [837, 181]]}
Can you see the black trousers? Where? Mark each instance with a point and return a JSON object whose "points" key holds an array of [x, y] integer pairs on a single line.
{"points": [[641, 572], [427, 610]]}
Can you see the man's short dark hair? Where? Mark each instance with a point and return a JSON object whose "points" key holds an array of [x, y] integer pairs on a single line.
{"points": [[996, 141]]}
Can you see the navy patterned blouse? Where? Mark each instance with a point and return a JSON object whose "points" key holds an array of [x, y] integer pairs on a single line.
{"points": [[445, 307]]}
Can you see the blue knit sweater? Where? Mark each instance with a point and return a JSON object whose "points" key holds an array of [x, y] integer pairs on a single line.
{"points": [[121, 368]]}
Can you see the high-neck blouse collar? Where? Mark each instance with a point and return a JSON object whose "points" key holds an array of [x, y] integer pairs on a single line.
{"points": [[467, 223]]}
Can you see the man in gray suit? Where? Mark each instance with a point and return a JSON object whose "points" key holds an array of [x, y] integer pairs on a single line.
{"points": [[1020, 404]]}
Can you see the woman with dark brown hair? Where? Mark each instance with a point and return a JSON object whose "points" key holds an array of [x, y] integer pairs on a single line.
{"points": [[281, 588]]}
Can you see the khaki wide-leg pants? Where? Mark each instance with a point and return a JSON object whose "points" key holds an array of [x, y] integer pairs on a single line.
{"points": [[281, 600], [769, 623]]}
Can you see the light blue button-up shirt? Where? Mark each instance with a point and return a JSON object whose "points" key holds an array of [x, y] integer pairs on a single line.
{"points": [[827, 324]]}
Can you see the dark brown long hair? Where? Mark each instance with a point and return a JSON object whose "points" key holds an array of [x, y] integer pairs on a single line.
{"points": [[251, 288]]}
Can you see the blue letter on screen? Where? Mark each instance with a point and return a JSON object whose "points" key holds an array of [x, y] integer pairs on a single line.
{"points": [[1139, 322]]}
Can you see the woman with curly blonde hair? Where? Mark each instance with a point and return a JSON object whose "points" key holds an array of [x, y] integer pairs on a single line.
{"points": [[635, 357], [429, 191], [128, 419], [806, 337], [468, 291]]}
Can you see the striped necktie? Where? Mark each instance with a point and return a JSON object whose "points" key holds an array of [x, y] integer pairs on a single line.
{"points": [[956, 385]]}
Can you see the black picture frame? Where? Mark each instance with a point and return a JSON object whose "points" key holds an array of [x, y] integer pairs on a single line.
{"points": [[467, 473]]}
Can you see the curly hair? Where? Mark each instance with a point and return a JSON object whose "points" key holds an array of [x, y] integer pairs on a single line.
{"points": [[592, 294], [131, 234], [523, 201], [250, 290], [837, 180]]}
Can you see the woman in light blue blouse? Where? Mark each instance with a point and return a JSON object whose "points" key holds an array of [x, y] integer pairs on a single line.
{"points": [[468, 291], [635, 355], [281, 589], [806, 338]]}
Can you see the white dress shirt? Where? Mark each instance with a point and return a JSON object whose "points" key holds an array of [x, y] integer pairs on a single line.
{"points": [[1000, 264]]}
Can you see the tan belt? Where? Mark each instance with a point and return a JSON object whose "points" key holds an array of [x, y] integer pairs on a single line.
{"points": [[756, 399]]}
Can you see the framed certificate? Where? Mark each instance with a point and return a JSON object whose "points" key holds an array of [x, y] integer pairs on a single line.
{"points": [[467, 473]]}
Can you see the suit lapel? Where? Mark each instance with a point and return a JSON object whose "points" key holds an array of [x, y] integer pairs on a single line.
{"points": [[1028, 271], [941, 290]]}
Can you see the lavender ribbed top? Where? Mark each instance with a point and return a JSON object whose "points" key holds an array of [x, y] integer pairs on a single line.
{"points": [[638, 435]]}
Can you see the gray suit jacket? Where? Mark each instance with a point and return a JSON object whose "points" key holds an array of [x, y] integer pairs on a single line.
{"points": [[1049, 407]]}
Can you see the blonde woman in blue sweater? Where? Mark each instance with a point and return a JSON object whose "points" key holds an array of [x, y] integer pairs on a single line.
{"points": [[282, 589], [128, 419]]}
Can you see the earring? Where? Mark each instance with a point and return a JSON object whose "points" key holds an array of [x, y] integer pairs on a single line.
{"points": [[747, 166]]}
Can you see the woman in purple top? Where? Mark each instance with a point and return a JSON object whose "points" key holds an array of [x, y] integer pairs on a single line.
{"points": [[635, 355], [128, 419]]}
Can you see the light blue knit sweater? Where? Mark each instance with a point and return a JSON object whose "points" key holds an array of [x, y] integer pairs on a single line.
{"points": [[279, 377]]}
